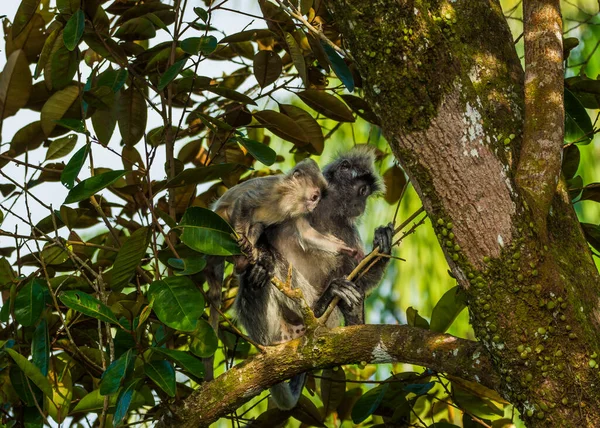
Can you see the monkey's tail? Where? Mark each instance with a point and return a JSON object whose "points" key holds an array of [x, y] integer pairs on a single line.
{"points": [[214, 271], [286, 394]]}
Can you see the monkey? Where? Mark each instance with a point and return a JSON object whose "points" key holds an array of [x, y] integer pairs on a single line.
{"points": [[268, 316], [260, 202]]}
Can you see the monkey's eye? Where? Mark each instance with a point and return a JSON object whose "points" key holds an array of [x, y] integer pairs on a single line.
{"points": [[345, 166], [315, 197], [363, 191]]}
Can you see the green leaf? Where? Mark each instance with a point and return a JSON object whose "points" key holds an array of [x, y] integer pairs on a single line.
{"points": [[578, 126], [132, 115], [171, 73], [93, 402], [91, 186], [361, 108], [571, 159], [29, 303], [15, 84], [415, 320], [72, 124], [114, 375], [184, 360], [339, 66], [206, 232], [202, 13], [139, 28], [259, 151], [333, 386], [267, 67], [161, 372], [31, 371], [25, 12], [283, 126], [368, 403], [124, 401], [327, 105], [88, 305], [55, 108], [297, 58], [205, 44], [177, 302], [114, 79], [128, 258], [74, 30], [22, 386], [475, 405], [205, 340], [447, 309], [40, 347], [309, 125], [46, 52], [188, 265], [61, 147], [73, 167], [63, 67], [231, 94]]}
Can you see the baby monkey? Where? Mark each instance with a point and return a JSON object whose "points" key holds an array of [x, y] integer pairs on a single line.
{"points": [[253, 205]]}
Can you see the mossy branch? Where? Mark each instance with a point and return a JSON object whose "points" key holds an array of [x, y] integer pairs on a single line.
{"points": [[373, 344]]}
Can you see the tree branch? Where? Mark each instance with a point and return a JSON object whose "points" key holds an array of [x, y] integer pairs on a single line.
{"points": [[543, 133], [327, 348]]}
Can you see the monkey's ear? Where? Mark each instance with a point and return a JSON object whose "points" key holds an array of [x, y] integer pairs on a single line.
{"points": [[345, 165], [297, 173]]}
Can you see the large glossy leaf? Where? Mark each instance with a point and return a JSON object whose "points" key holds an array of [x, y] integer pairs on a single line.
{"points": [[297, 57], [309, 125], [205, 340], [267, 67], [115, 374], [114, 79], [93, 402], [177, 302], [361, 108], [259, 151], [162, 373], [73, 167], [479, 406], [88, 305], [339, 66], [104, 123], [132, 116], [58, 405], [46, 52], [90, 186], [56, 107], [283, 126], [29, 137], [124, 400], [61, 147], [184, 360], [171, 73], [368, 403], [207, 232], [74, 30], [40, 347], [188, 265], [29, 303], [447, 309], [15, 84], [308, 413], [395, 184], [139, 28], [128, 258], [62, 67], [25, 12], [571, 158], [25, 389], [194, 45], [578, 126], [231, 94], [413, 319], [327, 105], [31, 371]]}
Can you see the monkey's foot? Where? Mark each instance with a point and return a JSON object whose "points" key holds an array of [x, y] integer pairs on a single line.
{"points": [[383, 239], [248, 249]]}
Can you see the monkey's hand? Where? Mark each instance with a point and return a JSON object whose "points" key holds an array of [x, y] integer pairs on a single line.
{"points": [[351, 296], [248, 249], [260, 273], [383, 239]]}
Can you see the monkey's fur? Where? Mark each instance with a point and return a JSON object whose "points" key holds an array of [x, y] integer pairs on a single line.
{"points": [[260, 202], [268, 316]]}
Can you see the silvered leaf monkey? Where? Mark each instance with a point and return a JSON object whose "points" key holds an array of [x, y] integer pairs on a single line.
{"points": [[268, 316]]}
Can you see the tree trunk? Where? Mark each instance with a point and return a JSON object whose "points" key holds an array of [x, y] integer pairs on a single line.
{"points": [[446, 83]]}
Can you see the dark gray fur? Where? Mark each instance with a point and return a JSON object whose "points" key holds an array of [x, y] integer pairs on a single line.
{"points": [[262, 309]]}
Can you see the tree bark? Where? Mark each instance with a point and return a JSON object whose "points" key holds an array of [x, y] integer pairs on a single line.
{"points": [[324, 348], [445, 81]]}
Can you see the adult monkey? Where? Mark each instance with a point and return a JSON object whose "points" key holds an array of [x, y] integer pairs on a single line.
{"points": [[270, 317]]}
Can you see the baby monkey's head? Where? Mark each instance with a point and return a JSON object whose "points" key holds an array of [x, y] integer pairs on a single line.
{"points": [[305, 188]]}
